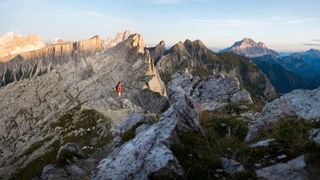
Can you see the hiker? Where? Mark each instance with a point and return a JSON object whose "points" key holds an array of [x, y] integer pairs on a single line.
{"points": [[119, 89]]}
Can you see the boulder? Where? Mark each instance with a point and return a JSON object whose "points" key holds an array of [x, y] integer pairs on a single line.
{"points": [[50, 172], [315, 135], [231, 166], [293, 169], [67, 152], [262, 143]]}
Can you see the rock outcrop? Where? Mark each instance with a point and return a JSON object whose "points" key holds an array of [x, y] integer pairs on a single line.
{"points": [[304, 104], [212, 93], [158, 51], [249, 48], [11, 44], [148, 155], [35, 63]]}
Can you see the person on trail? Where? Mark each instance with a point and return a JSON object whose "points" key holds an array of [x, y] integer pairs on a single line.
{"points": [[119, 89]]}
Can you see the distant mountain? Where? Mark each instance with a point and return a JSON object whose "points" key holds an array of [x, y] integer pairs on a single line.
{"points": [[285, 53], [12, 43], [306, 64], [283, 80], [38, 62], [34, 63], [121, 36], [249, 48], [278, 69], [196, 58]]}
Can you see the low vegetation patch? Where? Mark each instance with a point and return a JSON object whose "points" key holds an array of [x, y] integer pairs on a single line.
{"points": [[130, 134], [77, 126], [292, 134], [223, 137]]}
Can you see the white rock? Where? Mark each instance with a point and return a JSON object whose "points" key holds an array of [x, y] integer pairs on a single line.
{"points": [[304, 104], [315, 135], [280, 157], [293, 169], [231, 166], [263, 143]]}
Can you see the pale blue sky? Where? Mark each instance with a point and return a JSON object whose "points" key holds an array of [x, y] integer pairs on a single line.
{"points": [[281, 24]]}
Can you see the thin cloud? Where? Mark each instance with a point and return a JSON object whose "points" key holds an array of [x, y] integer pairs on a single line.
{"points": [[166, 2], [161, 1], [311, 44], [314, 42], [229, 23], [238, 23]]}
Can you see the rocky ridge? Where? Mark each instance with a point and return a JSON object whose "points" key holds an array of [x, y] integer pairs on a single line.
{"points": [[40, 108], [196, 58], [35, 63]]}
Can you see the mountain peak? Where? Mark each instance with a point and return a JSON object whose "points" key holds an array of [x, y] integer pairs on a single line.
{"points": [[13, 43], [248, 42], [249, 48], [120, 36], [135, 41], [313, 51], [197, 43]]}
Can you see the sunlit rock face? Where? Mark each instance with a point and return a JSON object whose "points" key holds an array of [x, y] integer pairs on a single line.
{"points": [[35, 63], [12, 43], [121, 36], [249, 48]]}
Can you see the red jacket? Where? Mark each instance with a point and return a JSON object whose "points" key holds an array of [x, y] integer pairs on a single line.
{"points": [[119, 88]]}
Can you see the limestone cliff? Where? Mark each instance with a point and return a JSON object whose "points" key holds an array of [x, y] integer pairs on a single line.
{"points": [[35, 63], [121, 36], [12, 43]]}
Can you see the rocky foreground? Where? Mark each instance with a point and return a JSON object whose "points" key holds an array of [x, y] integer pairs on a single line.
{"points": [[201, 123]]}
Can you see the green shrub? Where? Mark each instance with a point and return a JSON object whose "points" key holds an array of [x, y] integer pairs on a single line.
{"points": [[292, 134], [130, 134], [223, 137], [233, 107]]}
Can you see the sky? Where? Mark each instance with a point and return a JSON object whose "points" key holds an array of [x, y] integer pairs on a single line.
{"points": [[284, 25]]}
